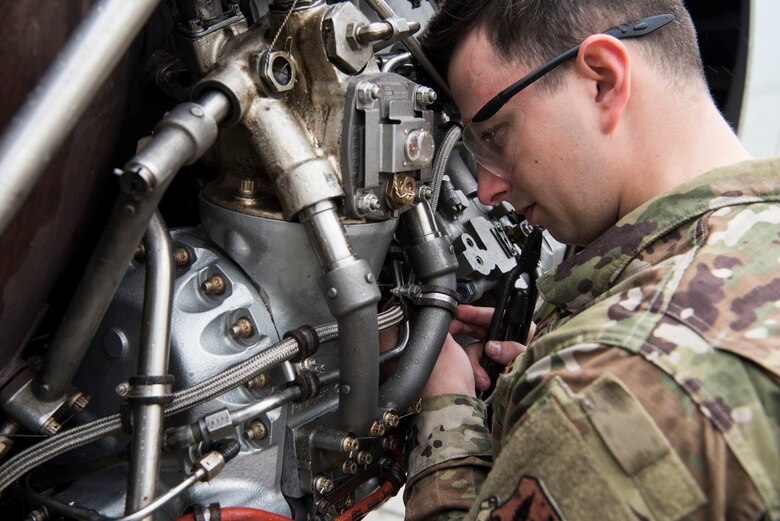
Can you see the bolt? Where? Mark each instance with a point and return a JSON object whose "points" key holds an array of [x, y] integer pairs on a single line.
{"points": [[38, 515], [364, 458], [197, 112], [349, 468], [78, 402], [122, 389], [247, 188], [388, 443], [243, 328], [195, 25], [333, 292], [368, 92], [377, 429], [140, 253], [51, 427], [256, 431], [391, 419], [214, 285], [349, 444], [402, 190], [368, 203], [181, 256], [323, 485], [369, 277], [258, 382], [425, 96]]}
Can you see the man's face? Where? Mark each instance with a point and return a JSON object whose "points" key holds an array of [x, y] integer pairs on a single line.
{"points": [[557, 174]]}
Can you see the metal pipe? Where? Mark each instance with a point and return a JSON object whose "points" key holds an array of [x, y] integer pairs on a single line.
{"points": [[395, 61], [53, 108], [385, 12], [181, 138], [147, 432], [434, 262], [352, 294]]}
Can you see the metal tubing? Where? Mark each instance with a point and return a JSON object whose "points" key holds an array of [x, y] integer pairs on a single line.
{"points": [[432, 257], [153, 361], [54, 107], [385, 12], [352, 294], [182, 136]]}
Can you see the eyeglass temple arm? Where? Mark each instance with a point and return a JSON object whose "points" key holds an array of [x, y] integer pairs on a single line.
{"points": [[632, 30]]}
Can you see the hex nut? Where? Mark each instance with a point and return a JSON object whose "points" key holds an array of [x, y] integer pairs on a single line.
{"points": [[377, 429], [256, 431], [258, 382], [214, 285], [242, 328], [340, 20], [364, 458], [349, 468], [401, 191], [391, 419], [322, 485], [349, 444], [181, 256]]}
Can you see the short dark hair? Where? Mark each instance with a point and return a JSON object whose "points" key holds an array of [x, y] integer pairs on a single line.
{"points": [[534, 31]]}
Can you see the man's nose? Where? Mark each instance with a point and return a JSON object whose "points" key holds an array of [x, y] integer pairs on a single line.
{"points": [[491, 189]]}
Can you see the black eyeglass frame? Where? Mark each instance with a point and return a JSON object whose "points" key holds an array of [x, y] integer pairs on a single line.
{"points": [[629, 30]]}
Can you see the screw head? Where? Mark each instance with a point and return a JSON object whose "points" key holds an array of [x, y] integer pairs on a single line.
{"points": [[333, 292]]}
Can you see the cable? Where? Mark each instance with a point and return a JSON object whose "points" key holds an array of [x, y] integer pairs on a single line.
{"points": [[440, 163], [221, 383], [241, 514]]}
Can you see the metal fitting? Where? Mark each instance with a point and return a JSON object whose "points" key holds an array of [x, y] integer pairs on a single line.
{"points": [[256, 431], [214, 285], [391, 419], [377, 429], [38, 515], [368, 92], [388, 443], [247, 190], [368, 203], [216, 426], [276, 71], [364, 458], [349, 468], [140, 253], [78, 402], [323, 485], [122, 389], [416, 408], [258, 382], [181, 256], [349, 444], [50, 427], [424, 96], [401, 191], [212, 463], [242, 328]]}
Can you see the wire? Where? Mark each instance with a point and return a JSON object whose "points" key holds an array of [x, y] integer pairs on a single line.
{"points": [[241, 514]]}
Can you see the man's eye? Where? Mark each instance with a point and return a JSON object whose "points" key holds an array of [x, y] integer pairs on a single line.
{"points": [[493, 137]]}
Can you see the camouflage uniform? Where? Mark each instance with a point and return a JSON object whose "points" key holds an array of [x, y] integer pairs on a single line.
{"points": [[654, 394]]}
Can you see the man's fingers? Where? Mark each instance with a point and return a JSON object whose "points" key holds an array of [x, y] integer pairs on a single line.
{"points": [[503, 352], [481, 378], [458, 327], [475, 315]]}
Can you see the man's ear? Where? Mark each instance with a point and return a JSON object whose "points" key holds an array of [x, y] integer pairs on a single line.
{"points": [[605, 60]]}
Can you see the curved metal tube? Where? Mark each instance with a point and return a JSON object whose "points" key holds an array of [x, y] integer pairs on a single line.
{"points": [[433, 259], [54, 107], [146, 444], [182, 136]]}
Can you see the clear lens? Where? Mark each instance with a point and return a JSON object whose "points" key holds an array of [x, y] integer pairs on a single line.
{"points": [[493, 142]]}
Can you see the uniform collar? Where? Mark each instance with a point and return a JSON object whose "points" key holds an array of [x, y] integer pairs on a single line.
{"points": [[578, 281]]}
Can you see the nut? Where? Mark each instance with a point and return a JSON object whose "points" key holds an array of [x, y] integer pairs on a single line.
{"points": [[377, 429], [256, 431], [322, 485], [402, 190], [50, 427], [425, 96], [388, 443], [214, 285], [349, 444], [349, 468], [391, 419], [368, 92], [243, 328], [181, 256], [78, 402], [364, 458], [258, 382]]}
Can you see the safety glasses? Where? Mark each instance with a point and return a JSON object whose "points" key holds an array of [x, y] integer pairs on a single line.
{"points": [[492, 142]]}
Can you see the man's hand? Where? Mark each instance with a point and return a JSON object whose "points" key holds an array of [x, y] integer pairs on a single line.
{"points": [[457, 370]]}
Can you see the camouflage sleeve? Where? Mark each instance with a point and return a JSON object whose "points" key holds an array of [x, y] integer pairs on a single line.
{"points": [[449, 458]]}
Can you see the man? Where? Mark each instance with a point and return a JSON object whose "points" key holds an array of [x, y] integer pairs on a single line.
{"points": [[653, 393]]}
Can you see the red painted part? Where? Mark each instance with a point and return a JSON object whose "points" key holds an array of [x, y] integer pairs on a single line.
{"points": [[242, 514], [385, 491]]}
